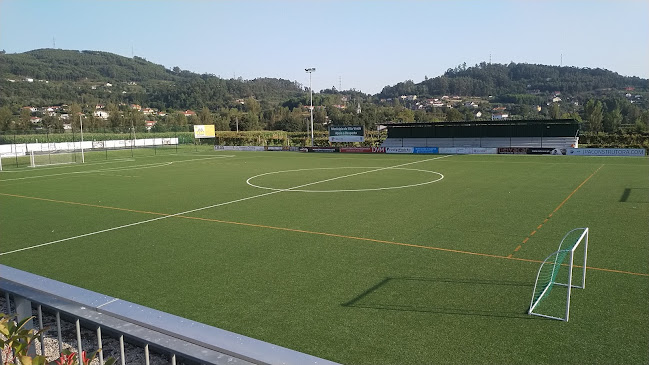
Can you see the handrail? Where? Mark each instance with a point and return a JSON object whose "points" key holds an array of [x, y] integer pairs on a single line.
{"points": [[166, 332]]}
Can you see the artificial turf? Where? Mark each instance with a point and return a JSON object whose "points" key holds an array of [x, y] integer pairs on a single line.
{"points": [[378, 260]]}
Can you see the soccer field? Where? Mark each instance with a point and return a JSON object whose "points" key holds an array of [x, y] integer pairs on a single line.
{"points": [[359, 259]]}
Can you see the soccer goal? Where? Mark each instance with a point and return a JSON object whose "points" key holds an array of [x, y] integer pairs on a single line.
{"points": [[557, 270], [53, 158]]}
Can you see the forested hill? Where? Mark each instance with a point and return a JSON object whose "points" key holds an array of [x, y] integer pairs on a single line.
{"points": [[64, 65], [515, 78], [148, 82], [82, 76]]}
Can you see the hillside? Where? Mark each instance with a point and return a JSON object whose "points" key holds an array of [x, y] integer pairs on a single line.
{"points": [[516, 78], [64, 76], [602, 99]]}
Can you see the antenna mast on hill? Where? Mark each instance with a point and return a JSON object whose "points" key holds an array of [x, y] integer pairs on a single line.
{"points": [[53, 42], [340, 83]]}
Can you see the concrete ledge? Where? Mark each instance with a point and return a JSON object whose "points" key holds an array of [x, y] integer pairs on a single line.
{"points": [[173, 334]]}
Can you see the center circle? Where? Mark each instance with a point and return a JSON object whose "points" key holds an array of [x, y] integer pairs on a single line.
{"points": [[298, 188]]}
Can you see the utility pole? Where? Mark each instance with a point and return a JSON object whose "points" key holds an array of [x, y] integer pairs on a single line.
{"points": [[310, 71]]}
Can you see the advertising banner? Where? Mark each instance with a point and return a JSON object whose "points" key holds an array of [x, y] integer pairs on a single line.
{"points": [[606, 151], [319, 149], [512, 150], [356, 149], [274, 148], [399, 150], [378, 149], [204, 131], [346, 133], [484, 151], [546, 151], [240, 148], [428, 150]]}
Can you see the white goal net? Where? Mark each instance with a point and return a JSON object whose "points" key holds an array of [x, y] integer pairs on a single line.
{"points": [[53, 158]]}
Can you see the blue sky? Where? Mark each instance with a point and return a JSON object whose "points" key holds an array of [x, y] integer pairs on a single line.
{"points": [[364, 45]]}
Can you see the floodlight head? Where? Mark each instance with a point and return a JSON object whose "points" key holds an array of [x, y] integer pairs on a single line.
{"points": [[309, 69]]}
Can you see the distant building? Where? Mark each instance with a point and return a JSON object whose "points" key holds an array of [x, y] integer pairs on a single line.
{"points": [[101, 114]]}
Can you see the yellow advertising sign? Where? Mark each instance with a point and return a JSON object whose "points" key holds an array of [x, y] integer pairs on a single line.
{"points": [[204, 131]]}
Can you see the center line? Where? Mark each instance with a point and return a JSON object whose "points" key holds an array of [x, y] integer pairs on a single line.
{"points": [[213, 206]]}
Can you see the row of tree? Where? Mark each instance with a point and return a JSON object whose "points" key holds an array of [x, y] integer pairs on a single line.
{"points": [[595, 96], [498, 79]]}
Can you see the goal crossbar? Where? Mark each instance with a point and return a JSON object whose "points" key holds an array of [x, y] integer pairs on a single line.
{"points": [[52, 158], [547, 276]]}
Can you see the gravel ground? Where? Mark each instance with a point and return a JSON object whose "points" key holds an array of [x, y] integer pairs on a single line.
{"points": [[110, 346]]}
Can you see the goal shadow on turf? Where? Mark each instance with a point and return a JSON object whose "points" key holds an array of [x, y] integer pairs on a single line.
{"points": [[476, 297], [635, 195]]}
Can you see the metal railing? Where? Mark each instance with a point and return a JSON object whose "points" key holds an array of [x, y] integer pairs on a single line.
{"points": [[178, 338]]}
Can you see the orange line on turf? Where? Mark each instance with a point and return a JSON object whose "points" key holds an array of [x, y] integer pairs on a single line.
{"points": [[315, 233], [83, 204], [557, 208], [517, 248]]}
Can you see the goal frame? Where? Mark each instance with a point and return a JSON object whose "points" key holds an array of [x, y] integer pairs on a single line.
{"points": [[556, 265], [32, 160]]}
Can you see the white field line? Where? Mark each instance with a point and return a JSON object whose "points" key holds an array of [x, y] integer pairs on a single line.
{"points": [[117, 160], [212, 206], [136, 167]]}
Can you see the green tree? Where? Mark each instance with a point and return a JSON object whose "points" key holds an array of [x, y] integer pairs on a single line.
{"points": [[205, 116], [555, 111], [24, 121], [179, 121], [453, 115], [75, 111], [405, 116], [612, 120], [115, 119], [5, 118], [593, 114]]}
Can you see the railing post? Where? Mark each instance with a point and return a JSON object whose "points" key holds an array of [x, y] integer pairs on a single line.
{"points": [[24, 310]]}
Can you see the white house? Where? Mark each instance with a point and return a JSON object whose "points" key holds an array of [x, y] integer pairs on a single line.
{"points": [[100, 114]]}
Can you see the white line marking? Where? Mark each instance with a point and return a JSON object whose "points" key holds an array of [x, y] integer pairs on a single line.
{"points": [[68, 165], [136, 167], [212, 206], [344, 190]]}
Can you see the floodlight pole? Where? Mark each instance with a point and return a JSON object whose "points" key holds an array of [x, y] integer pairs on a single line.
{"points": [[310, 71], [83, 160]]}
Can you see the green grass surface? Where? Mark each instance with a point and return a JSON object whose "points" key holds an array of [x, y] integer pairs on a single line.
{"points": [[414, 275]]}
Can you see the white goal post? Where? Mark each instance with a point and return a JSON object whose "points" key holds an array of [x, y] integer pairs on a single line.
{"points": [[53, 158], [548, 275]]}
